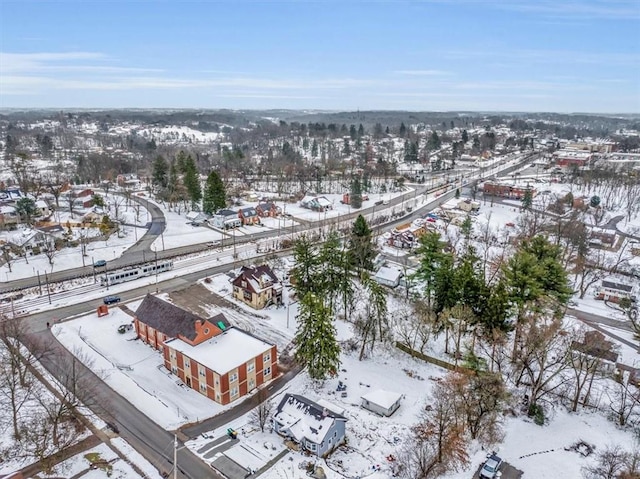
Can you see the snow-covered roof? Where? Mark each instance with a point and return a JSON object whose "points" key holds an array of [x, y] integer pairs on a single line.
{"points": [[305, 419], [388, 273], [322, 201], [382, 398], [259, 278], [223, 352], [6, 209]]}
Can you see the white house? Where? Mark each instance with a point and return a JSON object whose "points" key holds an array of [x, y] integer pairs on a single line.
{"points": [[388, 276], [381, 402], [316, 427]]}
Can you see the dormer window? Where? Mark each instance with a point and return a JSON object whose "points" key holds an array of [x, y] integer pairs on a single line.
{"points": [[244, 283]]}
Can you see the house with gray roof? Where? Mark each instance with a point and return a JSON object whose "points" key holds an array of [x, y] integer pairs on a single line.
{"points": [[226, 219], [317, 428]]}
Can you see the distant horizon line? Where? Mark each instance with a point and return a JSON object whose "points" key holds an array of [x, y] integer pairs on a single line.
{"points": [[315, 110]]}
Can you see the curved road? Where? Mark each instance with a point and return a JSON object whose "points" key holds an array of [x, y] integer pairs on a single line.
{"points": [[153, 442]]}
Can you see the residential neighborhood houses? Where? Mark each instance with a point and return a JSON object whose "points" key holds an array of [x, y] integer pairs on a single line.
{"points": [[239, 331]]}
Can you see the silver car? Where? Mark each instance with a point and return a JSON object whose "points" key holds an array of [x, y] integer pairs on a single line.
{"points": [[490, 468]]}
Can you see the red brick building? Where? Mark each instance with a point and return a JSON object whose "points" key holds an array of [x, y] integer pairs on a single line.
{"points": [[267, 209], [506, 191], [248, 216], [209, 355]]}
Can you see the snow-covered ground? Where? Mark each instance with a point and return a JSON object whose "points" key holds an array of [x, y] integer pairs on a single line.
{"points": [[134, 216], [109, 465]]}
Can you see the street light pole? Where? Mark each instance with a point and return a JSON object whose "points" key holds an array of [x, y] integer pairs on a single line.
{"points": [[46, 278]]}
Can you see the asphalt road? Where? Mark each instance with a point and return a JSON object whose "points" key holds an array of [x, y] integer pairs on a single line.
{"points": [[144, 435]]}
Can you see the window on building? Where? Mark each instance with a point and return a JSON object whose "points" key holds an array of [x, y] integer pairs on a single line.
{"points": [[252, 383], [267, 357], [267, 371], [174, 370], [234, 391], [187, 363], [203, 388], [201, 371], [217, 381], [251, 367], [233, 377]]}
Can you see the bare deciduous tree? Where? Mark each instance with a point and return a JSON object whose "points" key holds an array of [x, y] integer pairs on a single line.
{"points": [[262, 412]]}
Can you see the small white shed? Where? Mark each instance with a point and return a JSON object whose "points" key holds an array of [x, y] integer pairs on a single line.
{"points": [[388, 276], [381, 402]]}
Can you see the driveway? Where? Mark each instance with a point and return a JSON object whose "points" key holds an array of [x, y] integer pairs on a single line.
{"points": [[507, 470]]}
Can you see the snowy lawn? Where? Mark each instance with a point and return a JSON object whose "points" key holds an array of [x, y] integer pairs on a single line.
{"points": [[133, 369], [109, 465]]}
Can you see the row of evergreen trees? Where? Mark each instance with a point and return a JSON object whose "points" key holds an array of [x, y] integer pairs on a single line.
{"points": [[325, 277], [180, 181]]}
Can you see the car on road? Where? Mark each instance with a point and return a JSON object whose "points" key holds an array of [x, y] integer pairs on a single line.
{"points": [[100, 263], [111, 299], [213, 244], [491, 467]]}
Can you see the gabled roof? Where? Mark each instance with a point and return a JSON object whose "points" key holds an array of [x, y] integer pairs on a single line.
{"points": [[247, 212], [305, 419], [172, 320], [253, 274], [266, 206], [227, 212]]}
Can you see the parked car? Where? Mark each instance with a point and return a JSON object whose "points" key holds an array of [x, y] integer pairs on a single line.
{"points": [[491, 467], [100, 263], [111, 299]]}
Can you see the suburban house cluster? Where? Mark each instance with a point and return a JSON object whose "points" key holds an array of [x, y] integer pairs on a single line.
{"points": [[209, 355], [42, 233], [228, 218]]}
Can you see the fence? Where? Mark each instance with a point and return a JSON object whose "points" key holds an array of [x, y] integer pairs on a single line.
{"points": [[431, 359]]}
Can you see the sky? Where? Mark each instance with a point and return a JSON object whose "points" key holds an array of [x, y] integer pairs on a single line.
{"points": [[430, 55]]}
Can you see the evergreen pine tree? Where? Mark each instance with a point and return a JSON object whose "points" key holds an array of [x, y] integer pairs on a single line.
{"points": [[352, 132], [360, 131], [214, 194], [361, 251], [160, 173], [347, 148], [306, 269], [527, 199], [314, 148], [403, 130], [431, 255], [316, 343], [192, 182], [356, 193], [465, 136]]}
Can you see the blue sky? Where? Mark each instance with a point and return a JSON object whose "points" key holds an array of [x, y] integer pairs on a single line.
{"points": [[511, 55]]}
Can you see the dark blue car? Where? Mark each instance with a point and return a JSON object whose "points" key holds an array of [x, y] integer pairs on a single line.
{"points": [[111, 299], [100, 264]]}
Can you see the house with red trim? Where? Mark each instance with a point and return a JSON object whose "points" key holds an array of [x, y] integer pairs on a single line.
{"points": [[267, 209], [248, 216], [209, 355]]}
